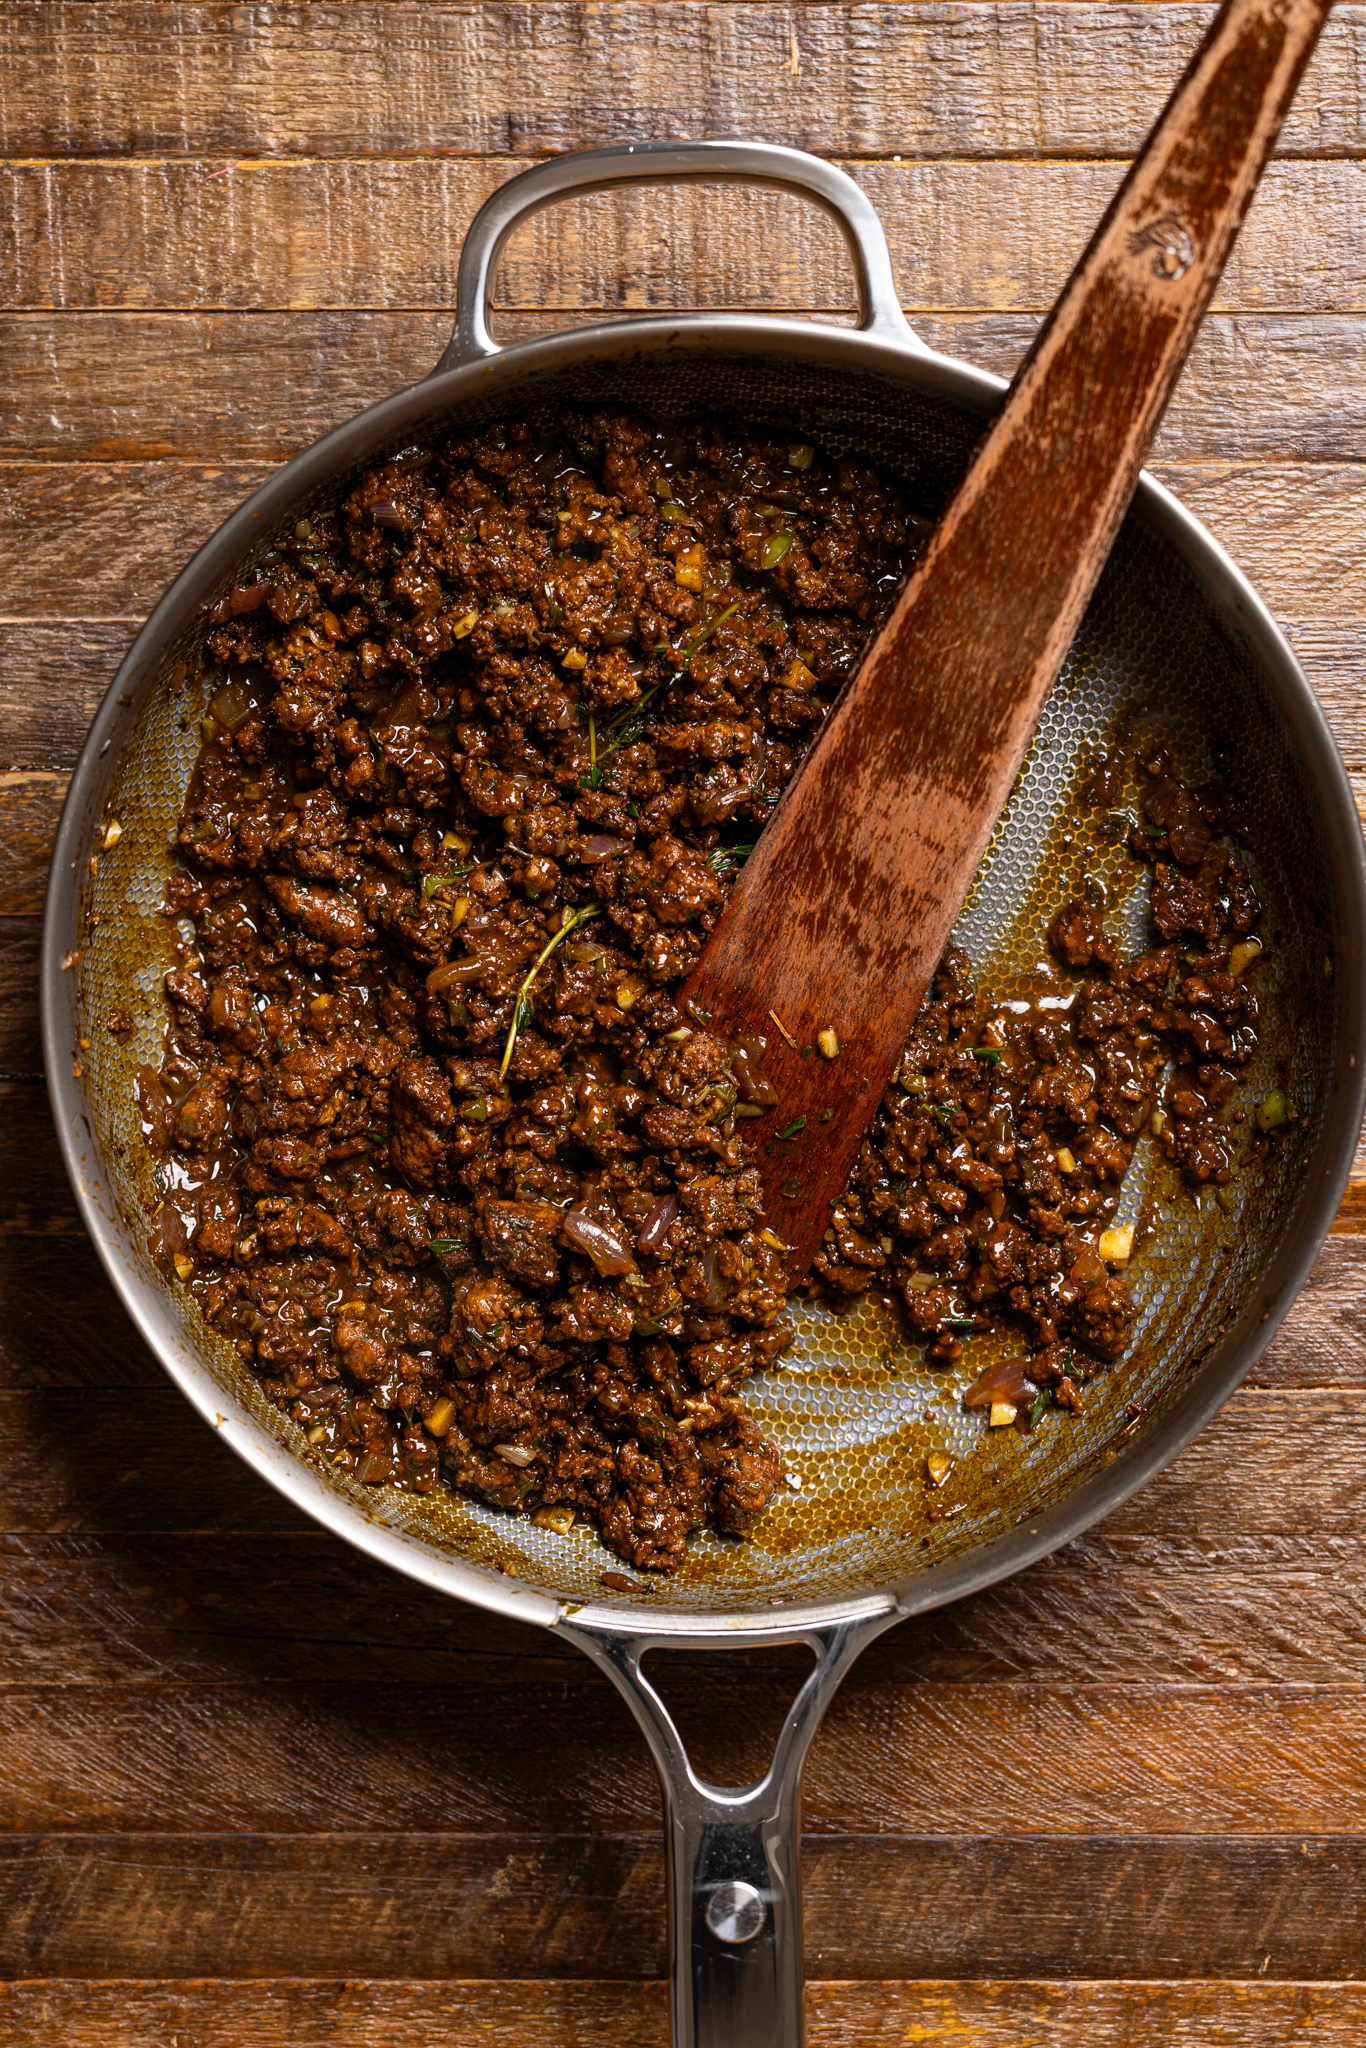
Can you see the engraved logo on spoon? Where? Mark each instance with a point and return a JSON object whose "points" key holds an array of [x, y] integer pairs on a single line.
{"points": [[1173, 250]]}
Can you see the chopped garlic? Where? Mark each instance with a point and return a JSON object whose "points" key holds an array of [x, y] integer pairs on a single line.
{"points": [[113, 832], [690, 568], [827, 1043], [1243, 955], [183, 1263], [441, 1417], [939, 1465], [629, 992], [515, 1455], [772, 1237], [798, 675], [560, 1519], [1002, 1414], [1116, 1245], [1067, 1161], [575, 658], [465, 625]]}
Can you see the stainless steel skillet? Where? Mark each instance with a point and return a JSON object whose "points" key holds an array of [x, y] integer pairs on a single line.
{"points": [[1175, 643]]}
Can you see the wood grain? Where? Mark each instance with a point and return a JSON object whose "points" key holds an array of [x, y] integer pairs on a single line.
{"points": [[175, 324], [236, 386], [299, 236], [389, 2013], [20, 1052], [932, 80], [53, 674], [30, 804], [317, 1757], [95, 1609], [454, 1906]]}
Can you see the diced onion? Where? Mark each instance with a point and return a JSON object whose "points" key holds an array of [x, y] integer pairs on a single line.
{"points": [[455, 971], [655, 1228], [600, 1239], [1006, 1381]]}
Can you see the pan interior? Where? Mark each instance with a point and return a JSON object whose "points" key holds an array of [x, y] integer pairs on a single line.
{"points": [[854, 1405]]}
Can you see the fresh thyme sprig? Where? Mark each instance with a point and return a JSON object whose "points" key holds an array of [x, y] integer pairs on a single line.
{"points": [[521, 1009]]}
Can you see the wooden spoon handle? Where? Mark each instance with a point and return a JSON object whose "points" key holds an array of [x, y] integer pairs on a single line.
{"points": [[846, 904]]}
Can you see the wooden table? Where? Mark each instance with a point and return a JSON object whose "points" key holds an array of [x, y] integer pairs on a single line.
{"points": [[257, 1792]]}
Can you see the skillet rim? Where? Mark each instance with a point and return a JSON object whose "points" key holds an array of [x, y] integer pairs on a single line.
{"points": [[1240, 610]]}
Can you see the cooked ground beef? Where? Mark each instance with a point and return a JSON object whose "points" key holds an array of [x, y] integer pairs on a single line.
{"points": [[445, 1161]]}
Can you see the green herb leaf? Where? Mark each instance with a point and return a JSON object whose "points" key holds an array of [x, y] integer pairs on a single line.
{"points": [[444, 1246], [990, 1053], [790, 1130], [1038, 1404], [728, 857], [519, 1013], [683, 655]]}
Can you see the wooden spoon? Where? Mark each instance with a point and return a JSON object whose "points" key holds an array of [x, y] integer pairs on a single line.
{"points": [[847, 902]]}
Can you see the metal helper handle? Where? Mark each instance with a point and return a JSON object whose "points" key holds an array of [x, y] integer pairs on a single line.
{"points": [[594, 170], [733, 1856]]}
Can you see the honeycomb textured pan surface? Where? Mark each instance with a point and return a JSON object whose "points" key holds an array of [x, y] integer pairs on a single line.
{"points": [[853, 1405]]}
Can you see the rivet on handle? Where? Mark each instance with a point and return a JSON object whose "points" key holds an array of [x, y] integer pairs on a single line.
{"points": [[736, 1912]]}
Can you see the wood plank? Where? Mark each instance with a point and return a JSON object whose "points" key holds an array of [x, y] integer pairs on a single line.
{"points": [[973, 1758], [112, 535], [965, 236], [53, 675], [30, 804], [20, 1052], [450, 1906], [388, 2013], [131, 386], [130, 1610], [931, 80]]}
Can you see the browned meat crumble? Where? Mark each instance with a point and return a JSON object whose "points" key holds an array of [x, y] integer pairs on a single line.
{"points": [[440, 1153]]}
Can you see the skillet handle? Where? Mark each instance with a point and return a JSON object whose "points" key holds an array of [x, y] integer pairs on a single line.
{"points": [[593, 170], [733, 1857]]}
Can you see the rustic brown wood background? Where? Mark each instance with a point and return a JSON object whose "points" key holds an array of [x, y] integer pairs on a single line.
{"points": [[253, 1790]]}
